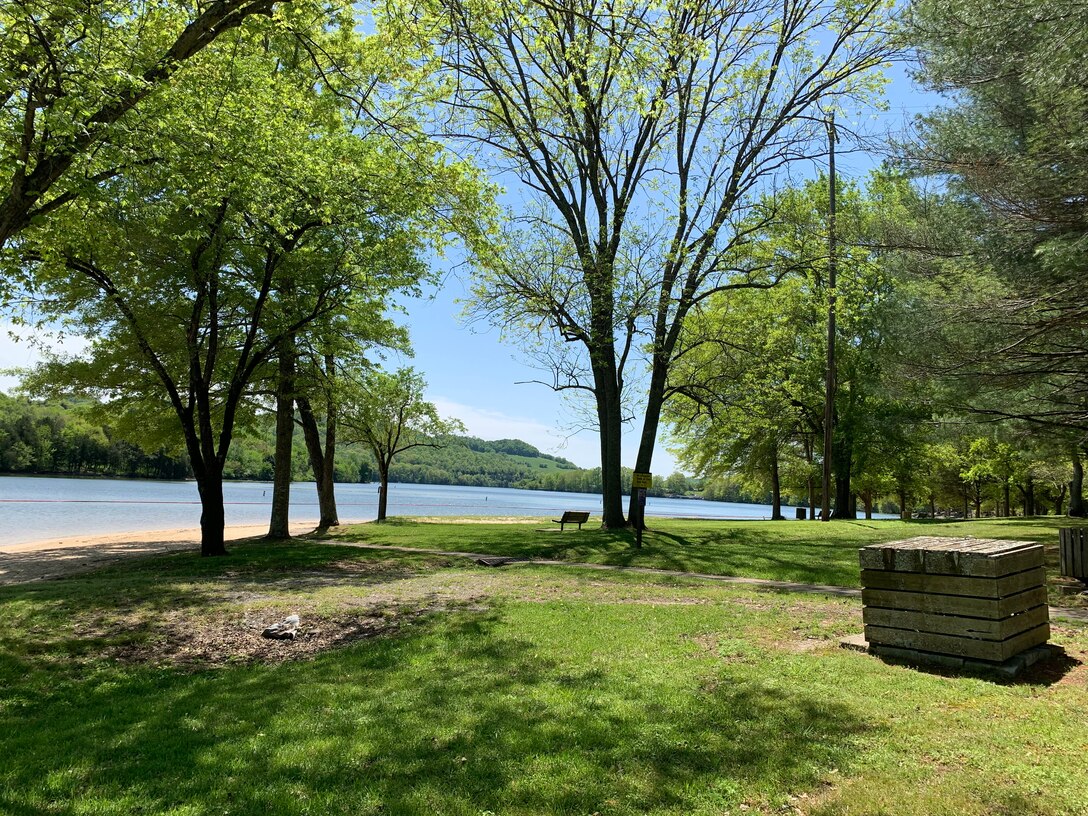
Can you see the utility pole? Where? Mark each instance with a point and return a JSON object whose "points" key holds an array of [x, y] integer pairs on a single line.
{"points": [[829, 382]]}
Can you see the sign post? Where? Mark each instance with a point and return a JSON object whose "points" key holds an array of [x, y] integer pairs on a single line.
{"points": [[640, 482]]}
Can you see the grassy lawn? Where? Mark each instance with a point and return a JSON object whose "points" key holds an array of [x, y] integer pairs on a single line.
{"points": [[424, 685], [808, 552]]}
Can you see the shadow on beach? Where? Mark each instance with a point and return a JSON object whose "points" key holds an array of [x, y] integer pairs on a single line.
{"points": [[19, 566]]}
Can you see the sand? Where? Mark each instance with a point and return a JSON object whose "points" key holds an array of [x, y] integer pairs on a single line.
{"points": [[54, 558]]}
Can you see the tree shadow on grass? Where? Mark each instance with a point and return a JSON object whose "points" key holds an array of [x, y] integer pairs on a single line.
{"points": [[19, 567], [37, 565], [149, 609], [456, 716], [746, 553], [254, 562]]}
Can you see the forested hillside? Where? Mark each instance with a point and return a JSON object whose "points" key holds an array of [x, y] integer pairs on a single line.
{"points": [[466, 460], [43, 437], [63, 438], [56, 438]]}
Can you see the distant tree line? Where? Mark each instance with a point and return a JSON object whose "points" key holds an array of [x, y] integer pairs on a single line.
{"points": [[65, 438], [43, 438]]}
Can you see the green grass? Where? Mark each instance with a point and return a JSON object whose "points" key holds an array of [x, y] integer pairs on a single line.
{"points": [[808, 552], [534, 690]]}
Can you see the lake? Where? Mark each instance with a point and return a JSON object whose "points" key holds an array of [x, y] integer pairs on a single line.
{"points": [[36, 508]]}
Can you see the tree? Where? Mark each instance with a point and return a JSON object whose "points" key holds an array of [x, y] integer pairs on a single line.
{"points": [[939, 477], [323, 348], [740, 405], [387, 413], [271, 208], [1077, 506], [752, 362], [1012, 145], [71, 71], [279, 526], [643, 130]]}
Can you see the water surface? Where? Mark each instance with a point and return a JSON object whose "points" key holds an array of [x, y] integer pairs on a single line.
{"points": [[35, 508]]}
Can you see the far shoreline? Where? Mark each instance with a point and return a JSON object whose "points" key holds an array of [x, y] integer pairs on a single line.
{"points": [[190, 480]]}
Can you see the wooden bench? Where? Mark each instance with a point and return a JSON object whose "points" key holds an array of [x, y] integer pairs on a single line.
{"points": [[578, 517]]}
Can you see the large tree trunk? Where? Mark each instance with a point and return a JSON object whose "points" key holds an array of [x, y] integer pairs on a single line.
{"points": [[609, 418], [1029, 497], [867, 502], [810, 482], [966, 503], [655, 398], [321, 460], [325, 489], [843, 462], [776, 487], [279, 524], [208, 473], [1006, 499], [1059, 502], [904, 510], [845, 506], [1076, 489], [383, 491], [212, 517]]}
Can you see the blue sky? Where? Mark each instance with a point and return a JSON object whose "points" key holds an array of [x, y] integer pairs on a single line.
{"points": [[475, 377]]}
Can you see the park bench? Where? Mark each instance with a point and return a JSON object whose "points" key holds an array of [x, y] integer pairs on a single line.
{"points": [[578, 517]]}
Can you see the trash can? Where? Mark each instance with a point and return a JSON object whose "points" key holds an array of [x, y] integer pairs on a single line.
{"points": [[802, 513]]}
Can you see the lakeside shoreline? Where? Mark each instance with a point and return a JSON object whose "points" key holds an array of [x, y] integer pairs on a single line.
{"points": [[48, 558], [178, 535], [47, 511]]}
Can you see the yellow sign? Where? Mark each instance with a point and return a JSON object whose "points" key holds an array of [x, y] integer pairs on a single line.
{"points": [[642, 480]]}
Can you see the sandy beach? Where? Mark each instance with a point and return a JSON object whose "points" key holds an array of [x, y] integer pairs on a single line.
{"points": [[53, 558]]}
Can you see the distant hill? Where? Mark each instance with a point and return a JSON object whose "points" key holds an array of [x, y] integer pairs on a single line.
{"points": [[469, 460], [60, 437]]}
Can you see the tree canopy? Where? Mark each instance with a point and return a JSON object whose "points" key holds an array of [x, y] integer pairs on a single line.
{"points": [[642, 131], [387, 413], [269, 208], [1013, 146], [71, 73]]}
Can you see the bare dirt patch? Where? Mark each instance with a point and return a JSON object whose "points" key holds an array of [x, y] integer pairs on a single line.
{"points": [[707, 642], [805, 645], [1068, 668], [197, 641]]}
